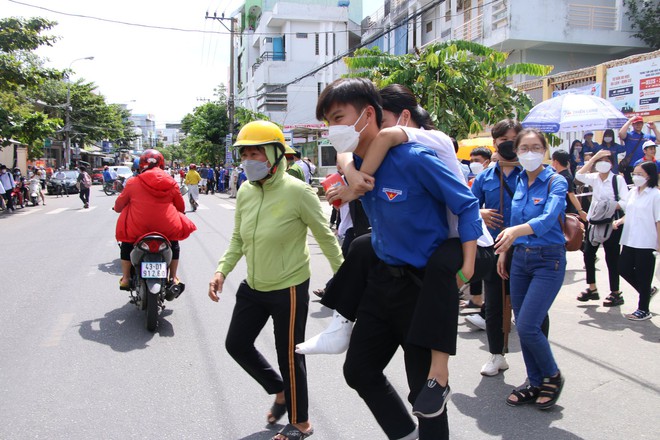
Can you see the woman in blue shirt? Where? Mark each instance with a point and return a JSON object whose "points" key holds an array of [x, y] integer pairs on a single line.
{"points": [[614, 149], [537, 267], [577, 155]]}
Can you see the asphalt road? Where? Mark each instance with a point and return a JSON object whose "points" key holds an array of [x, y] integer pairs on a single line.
{"points": [[78, 363]]}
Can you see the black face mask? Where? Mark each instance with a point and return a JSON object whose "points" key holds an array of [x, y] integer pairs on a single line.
{"points": [[505, 149]]}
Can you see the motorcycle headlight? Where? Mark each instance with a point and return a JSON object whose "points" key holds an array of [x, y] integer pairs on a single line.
{"points": [[162, 246], [144, 246]]}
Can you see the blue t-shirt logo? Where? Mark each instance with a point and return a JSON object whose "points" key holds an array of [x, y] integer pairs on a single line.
{"points": [[392, 193]]}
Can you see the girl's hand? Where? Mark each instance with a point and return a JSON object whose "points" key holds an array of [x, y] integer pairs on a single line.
{"points": [[504, 240], [501, 267]]}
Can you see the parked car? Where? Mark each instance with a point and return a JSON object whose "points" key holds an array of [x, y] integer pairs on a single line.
{"points": [[97, 176], [69, 182], [122, 171]]}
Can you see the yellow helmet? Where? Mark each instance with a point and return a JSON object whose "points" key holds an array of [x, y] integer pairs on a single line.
{"points": [[260, 133]]}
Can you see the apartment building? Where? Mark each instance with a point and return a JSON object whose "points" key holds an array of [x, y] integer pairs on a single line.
{"points": [[279, 43], [569, 34], [145, 127]]}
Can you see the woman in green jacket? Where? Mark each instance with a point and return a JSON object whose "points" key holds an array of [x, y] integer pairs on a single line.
{"points": [[273, 213]]}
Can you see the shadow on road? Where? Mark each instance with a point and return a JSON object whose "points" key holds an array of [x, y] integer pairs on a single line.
{"points": [[612, 319], [113, 267], [263, 435], [498, 420], [123, 329]]}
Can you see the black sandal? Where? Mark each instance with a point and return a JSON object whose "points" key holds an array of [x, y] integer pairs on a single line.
{"points": [[290, 432], [588, 294], [276, 412], [551, 388], [524, 395], [613, 300]]}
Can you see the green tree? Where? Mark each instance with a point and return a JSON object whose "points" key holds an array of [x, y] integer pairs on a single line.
{"points": [[206, 129], [463, 85], [21, 74], [645, 18]]}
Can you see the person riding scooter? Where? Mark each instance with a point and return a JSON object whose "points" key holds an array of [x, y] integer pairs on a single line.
{"points": [[151, 202]]}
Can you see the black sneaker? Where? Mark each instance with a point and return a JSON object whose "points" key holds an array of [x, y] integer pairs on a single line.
{"points": [[432, 400]]}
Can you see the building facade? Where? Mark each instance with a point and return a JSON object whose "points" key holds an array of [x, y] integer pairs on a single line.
{"points": [[567, 34], [145, 126], [279, 42]]}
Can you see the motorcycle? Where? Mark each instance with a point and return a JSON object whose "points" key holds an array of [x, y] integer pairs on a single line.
{"points": [[116, 186], [150, 286], [34, 190], [18, 195]]}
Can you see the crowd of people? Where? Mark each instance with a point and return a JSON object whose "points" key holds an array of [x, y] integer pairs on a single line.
{"points": [[495, 225]]}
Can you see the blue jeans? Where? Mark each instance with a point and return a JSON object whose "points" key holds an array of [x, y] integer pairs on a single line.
{"points": [[537, 274]]}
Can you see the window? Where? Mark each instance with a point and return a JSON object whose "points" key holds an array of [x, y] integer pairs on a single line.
{"points": [[316, 44], [268, 40], [301, 35], [447, 12], [334, 44], [429, 27], [326, 43], [328, 156], [319, 88]]}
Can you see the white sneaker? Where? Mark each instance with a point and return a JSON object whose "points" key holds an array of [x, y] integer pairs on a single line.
{"points": [[332, 340], [495, 364], [477, 321]]}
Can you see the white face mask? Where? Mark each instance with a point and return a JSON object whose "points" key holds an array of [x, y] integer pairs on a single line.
{"points": [[639, 180], [345, 138], [530, 161], [255, 169], [603, 167], [476, 167], [608, 139]]}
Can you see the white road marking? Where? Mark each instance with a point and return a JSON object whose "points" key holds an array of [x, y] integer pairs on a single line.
{"points": [[201, 207], [230, 207], [55, 336], [91, 208], [57, 211]]}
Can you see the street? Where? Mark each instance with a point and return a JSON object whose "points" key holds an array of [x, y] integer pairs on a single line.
{"points": [[78, 363]]}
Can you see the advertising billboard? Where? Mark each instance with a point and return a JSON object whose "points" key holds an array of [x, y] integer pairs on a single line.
{"points": [[635, 88]]}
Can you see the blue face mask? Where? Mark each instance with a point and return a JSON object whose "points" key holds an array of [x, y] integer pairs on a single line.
{"points": [[255, 170]]}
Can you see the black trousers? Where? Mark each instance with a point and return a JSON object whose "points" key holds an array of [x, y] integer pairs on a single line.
{"points": [[637, 266], [288, 308], [7, 197], [84, 194], [612, 252], [382, 326]]}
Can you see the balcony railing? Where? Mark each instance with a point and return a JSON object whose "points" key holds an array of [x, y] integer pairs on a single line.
{"points": [[470, 30], [592, 17], [268, 56]]}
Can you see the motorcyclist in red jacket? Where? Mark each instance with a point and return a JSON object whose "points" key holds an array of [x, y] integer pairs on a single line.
{"points": [[150, 202]]}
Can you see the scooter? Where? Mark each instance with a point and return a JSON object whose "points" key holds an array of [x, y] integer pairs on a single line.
{"points": [[17, 195], [34, 190], [150, 284]]}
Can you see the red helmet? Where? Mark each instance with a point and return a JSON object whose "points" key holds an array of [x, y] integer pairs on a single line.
{"points": [[151, 158]]}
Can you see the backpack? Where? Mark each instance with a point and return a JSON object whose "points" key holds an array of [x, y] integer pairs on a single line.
{"points": [[86, 180]]}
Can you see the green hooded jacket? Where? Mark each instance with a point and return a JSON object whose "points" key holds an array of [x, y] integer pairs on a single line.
{"points": [[270, 229]]}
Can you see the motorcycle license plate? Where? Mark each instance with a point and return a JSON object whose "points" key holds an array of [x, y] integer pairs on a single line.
{"points": [[154, 270]]}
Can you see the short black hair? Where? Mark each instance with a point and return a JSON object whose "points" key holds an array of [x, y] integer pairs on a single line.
{"points": [[652, 170], [358, 92], [82, 168], [503, 126], [455, 142], [482, 151], [561, 156]]}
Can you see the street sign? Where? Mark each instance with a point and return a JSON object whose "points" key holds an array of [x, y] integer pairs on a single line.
{"points": [[228, 149]]}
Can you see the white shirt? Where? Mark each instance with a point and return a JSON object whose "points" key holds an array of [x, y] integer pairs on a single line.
{"points": [[444, 149], [308, 169], [603, 189], [346, 220], [642, 213]]}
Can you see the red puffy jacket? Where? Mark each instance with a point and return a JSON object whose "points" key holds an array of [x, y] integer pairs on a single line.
{"points": [[152, 202]]}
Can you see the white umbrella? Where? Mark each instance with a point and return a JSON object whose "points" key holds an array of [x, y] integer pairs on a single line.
{"points": [[572, 112]]}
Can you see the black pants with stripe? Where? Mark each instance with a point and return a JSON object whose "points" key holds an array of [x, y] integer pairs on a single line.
{"points": [[288, 308]]}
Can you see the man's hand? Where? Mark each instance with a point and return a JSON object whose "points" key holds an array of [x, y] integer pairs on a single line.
{"points": [[342, 193], [360, 182], [215, 286], [492, 218], [583, 215]]}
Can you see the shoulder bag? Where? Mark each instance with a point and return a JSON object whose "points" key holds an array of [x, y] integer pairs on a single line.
{"points": [[573, 228], [625, 162]]}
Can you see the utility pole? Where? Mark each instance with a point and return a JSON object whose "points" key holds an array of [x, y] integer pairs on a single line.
{"points": [[67, 116], [231, 29]]}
